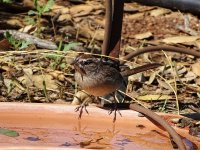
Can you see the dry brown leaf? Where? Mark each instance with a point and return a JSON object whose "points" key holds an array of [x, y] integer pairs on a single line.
{"points": [[68, 29], [79, 97], [81, 10], [28, 29], [154, 97], [28, 3], [196, 68], [100, 21], [4, 45], [64, 17], [15, 23], [50, 83], [180, 39], [181, 71], [189, 76], [197, 81], [159, 11], [135, 77], [99, 35], [64, 10], [152, 78], [129, 8], [56, 7], [143, 35], [135, 16], [197, 43], [96, 5], [164, 85], [14, 83], [59, 9], [37, 80], [28, 74], [58, 75], [86, 32]]}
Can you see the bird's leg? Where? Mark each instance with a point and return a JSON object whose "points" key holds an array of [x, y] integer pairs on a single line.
{"points": [[81, 107], [115, 109]]}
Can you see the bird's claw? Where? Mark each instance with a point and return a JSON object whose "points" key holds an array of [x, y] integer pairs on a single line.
{"points": [[80, 109], [115, 113]]}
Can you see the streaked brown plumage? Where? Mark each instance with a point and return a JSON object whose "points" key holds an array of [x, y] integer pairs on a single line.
{"points": [[97, 76]]}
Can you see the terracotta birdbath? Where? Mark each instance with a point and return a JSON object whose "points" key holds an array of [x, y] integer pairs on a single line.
{"points": [[56, 126]]}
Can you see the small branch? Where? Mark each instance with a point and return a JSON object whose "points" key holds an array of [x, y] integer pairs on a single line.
{"points": [[140, 69], [35, 40]]}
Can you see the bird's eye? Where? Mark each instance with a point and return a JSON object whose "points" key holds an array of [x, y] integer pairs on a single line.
{"points": [[87, 62]]}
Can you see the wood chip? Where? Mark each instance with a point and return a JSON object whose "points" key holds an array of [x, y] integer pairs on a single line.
{"points": [[180, 39], [143, 35]]}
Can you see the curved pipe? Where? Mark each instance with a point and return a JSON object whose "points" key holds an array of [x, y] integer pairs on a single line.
{"points": [[153, 117], [167, 48], [182, 5]]}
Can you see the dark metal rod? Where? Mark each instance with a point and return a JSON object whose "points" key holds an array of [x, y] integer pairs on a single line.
{"points": [[108, 27], [115, 39]]}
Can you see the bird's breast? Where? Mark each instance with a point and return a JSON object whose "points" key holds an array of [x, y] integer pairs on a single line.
{"points": [[101, 90]]}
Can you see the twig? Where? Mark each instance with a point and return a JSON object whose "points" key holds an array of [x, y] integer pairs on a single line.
{"points": [[175, 85], [35, 40], [140, 69]]}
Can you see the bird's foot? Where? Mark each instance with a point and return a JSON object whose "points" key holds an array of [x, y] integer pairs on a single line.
{"points": [[81, 107], [115, 110]]}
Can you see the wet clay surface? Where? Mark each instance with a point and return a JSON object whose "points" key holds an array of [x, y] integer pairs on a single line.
{"points": [[80, 25], [57, 126]]}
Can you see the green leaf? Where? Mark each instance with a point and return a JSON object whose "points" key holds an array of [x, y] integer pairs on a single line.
{"points": [[8, 132], [48, 6], [17, 44], [67, 47], [36, 3], [10, 38], [7, 35], [53, 56], [29, 21], [6, 1], [63, 66], [32, 12], [40, 11], [25, 44]]}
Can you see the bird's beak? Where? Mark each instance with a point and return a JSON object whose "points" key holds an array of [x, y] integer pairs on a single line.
{"points": [[78, 67]]}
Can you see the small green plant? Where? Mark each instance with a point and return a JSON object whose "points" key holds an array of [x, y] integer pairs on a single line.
{"points": [[17, 44], [58, 59], [6, 1], [40, 10], [29, 20]]}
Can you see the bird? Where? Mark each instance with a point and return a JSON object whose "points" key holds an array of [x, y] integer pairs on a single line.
{"points": [[101, 77], [98, 76]]}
